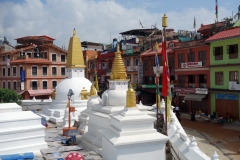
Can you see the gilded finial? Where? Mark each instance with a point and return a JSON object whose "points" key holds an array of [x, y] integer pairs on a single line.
{"points": [[131, 97], [74, 32], [118, 67], [54, 94], [75, 54], [93, 91], [164, 21], [84, 94]]}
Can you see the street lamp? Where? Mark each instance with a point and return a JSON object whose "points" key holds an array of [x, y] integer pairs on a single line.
{"points": [[70, 109]]}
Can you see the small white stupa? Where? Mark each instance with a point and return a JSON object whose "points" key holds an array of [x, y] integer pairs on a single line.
{"points": [[131, 135], [75, 72], [113, 100]]}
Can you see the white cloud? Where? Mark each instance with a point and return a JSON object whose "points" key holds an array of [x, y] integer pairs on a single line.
{"points": [[93, 20]]}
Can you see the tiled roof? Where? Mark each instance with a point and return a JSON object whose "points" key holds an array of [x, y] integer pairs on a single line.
{"points": [[230, 33], [209, 26], [151, 52]]}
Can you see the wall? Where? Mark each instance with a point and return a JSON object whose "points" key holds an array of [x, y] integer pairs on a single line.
{"points": [[226, 59], [225, 71]]}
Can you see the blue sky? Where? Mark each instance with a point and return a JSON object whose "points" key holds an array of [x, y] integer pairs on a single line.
{"points": [[95, 19]]}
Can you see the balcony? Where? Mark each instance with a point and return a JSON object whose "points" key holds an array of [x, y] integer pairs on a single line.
{"points": [[27, 59], [131, 68]]}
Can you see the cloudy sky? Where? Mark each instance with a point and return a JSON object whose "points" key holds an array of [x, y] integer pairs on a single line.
{"points": [[94, 20]]}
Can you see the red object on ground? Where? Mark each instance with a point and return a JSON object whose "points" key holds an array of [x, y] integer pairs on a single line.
{"points": [[46, 125], [74, 156]]}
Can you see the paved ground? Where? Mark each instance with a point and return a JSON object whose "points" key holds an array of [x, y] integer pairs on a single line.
{"points": [[224, 138]]}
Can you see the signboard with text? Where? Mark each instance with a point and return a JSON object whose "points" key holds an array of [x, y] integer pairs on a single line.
{"points": [[191, 90], [227, 96], [191, 65]]}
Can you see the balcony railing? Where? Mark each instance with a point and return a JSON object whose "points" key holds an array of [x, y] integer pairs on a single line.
{"points": [[202, 85], [191, 85]]}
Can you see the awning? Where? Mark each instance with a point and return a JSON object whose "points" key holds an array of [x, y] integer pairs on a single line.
{"points": [[194, 97], [20, 92], [40, 92]]}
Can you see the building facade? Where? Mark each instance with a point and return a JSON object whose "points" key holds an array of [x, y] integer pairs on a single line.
{"points": [[224, 71], [192, 75], [34, 68]]}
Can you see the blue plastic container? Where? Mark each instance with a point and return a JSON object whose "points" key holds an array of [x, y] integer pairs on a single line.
{"points": [[28, 155]]}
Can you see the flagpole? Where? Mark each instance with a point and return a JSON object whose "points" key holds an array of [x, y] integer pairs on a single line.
{"points": [[164, 25], [157, 83]]}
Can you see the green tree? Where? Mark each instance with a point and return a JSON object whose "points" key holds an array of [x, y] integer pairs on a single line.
{"points": [[9, 96]]}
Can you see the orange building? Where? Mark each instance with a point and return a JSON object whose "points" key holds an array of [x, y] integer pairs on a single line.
{"points": [[34, 68]]}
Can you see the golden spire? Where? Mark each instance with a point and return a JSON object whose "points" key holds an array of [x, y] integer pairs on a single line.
{"points": [[75, 55], [131, 97], [93, 91], [118, 67], [54, 93]]}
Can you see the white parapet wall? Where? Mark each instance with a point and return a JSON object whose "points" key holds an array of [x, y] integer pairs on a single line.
{"points": [[21, 132], [35, 104], [10, 107]]}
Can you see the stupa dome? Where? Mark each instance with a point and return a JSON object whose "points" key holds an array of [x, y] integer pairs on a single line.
{"points": [[76, 84]]}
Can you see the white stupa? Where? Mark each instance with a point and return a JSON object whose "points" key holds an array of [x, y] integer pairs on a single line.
{"points": [[75, 72], [113, 100]]}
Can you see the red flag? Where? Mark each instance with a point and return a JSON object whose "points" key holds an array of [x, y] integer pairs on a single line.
{"points": [[165, 74]]}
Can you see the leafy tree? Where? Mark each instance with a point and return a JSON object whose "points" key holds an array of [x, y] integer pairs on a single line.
{"points": [[9, 96]]}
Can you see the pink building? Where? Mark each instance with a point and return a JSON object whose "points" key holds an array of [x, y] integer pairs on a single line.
{"points": [[34, 68]]}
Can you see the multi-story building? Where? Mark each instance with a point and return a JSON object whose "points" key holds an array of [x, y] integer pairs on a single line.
{"points": [[192, 75], [224, 72], [34, 68], [148, 60]]}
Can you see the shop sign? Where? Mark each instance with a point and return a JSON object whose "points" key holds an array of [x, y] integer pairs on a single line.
{"points": [[153, 86], [201, 91], [191, 90], [227, 96], [191, 65]]}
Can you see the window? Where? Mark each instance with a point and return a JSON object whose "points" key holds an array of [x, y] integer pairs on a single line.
{"points": [[202, 57], [4, 85], [63, 71], [171, 45], [191, 81], [233, 76], [20, 69], [14, 71], [44, 84], [9, 85], [171, 62], [9, 72], [232, 50], [54, 71], [8, 57], [145, 65], [15, 85], [180, 59], [34, 70], [135, 61], [135, 79], [4, 72], [54, 84], [218, 53], [92, 65], [34, 85], [54, 58], [3, 58], [29, 55], [44, 71], [219, 78], [127, 62], [63, 58], [202, 78], [191, 57], [182, 80]]}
